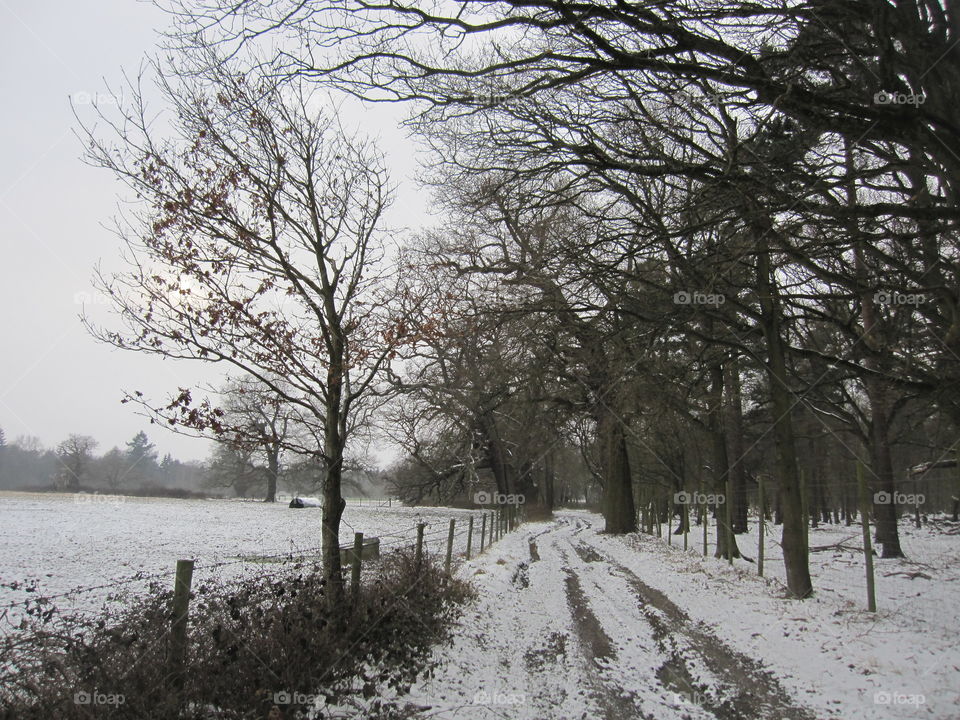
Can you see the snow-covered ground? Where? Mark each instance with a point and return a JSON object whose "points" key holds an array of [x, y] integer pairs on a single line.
{"points": [[570, 623], [61, 542]]}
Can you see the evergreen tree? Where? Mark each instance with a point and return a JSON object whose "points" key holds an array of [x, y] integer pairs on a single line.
{"points": [[141, 457]]}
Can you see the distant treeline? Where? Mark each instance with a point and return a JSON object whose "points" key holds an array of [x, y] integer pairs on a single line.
{"points": [[73, 465], [136, 469]]}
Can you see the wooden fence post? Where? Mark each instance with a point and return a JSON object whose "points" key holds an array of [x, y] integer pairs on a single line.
{"points": [[805, 512], [686, 524], [446, 565], [419, 555], [483, 529], [706, 520], [728, 515], [670, 519], [355, 569], [955, 510], [867, 545], [469, 536], [181, 610], [761, 524]]}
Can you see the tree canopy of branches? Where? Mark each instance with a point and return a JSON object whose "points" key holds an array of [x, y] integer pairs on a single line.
{"points": [[607, 165], [256, 244]]}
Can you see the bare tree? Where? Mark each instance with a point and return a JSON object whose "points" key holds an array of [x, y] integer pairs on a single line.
{"points": [[75, 455], [230, 466], [256, 245], [259, 420], [113, 468]]}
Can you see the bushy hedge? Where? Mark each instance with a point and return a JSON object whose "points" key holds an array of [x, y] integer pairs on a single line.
{"points": [[266, 647]]}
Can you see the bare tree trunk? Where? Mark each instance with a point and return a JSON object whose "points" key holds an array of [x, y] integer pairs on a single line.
{"points": [[734, 428], [678, 463], [726, 542], [523, 482], [618, 507], [795, 557], [549, 481], [273, 471], [333, 502], [499, 464], [333, 505], [885, 513], [878, 391]]}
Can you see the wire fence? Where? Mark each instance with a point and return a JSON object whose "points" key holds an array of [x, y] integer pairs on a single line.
{"points": [[704, 537], [251, 613], [472, 529]]}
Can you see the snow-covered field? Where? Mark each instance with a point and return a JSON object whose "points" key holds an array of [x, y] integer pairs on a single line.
{"points": [[61, 542], [568, 622]]}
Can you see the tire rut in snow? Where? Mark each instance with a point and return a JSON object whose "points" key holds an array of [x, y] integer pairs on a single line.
{"points": [[597, 646], [595, 641], [755, 692]]}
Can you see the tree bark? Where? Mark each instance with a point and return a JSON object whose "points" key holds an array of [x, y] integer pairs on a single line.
{"points": [[679, 467], [878, 392], [549, 482], [618, 507], [734, 425], [884, 513], [795, 557], [333, 505], [726, 542], [333, 502], [499, 464], [273, 472]]}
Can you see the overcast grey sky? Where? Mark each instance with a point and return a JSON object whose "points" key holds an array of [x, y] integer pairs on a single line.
{"points": [[54, 378]]}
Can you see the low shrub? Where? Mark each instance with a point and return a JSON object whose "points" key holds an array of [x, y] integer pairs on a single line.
{"points": [[264, 647]]}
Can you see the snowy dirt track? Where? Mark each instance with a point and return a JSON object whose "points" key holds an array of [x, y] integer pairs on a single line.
{"points": [[562, 630], [570, 623]]}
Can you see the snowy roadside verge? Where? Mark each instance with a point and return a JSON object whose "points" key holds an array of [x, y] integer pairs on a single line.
{"points": [[827, 651]]}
